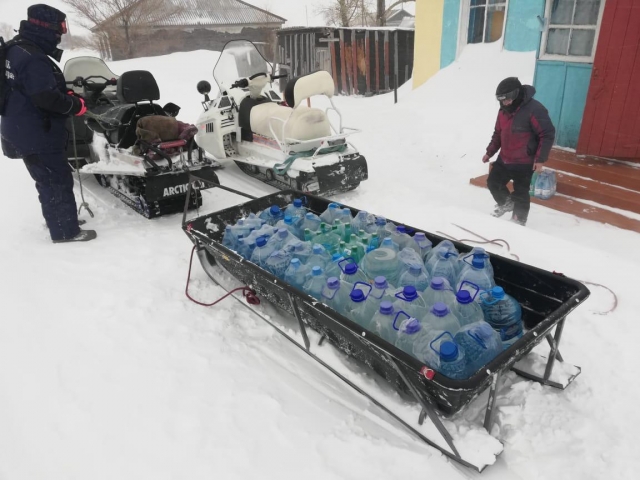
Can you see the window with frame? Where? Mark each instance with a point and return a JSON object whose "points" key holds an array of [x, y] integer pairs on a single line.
{"points": [[486, 20], [573, 27]]}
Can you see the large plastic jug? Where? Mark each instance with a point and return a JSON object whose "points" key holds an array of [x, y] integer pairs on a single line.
{"points": [[466, 260], [283, 238], [310, 222], [382, 261], [335, 292], [381, 291], [261, 252], [408, 331], [302, 251], [408, 300], [353, 306], [245, 247], [351, 273], [287, 222], [315, 283], [319, 256], [476, 277], [448, 244], [441, 318], [331, 213], [439, 291], [401, 237], [272, 215], [362, 221], [480, 343], [278, 262], [466, 310], [443, 264], [421, 244], [452, 361], [295, 210], [297, 273], [382, 322], [504, 314], [414, 276]]}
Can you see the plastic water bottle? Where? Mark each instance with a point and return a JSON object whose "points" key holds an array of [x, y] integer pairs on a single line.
{"points": [[302, 251], [354, 304], [452, 361], [439, 291], [278, 262], [382, 261], [408, 300], [272, 215], [443, 264], [332, 268], [476, 277], [331, 213], [228, 239], [504, 314], [335, 292], [297, 273], [362, 221], [295, 210], [310, 222], [382, 322], [319, 256], [409, 331], [287, 222], [480, 343], [545, 185], [315, 283], [415, 276], [432, 255], [466, 260], [381, 291], [282, 239], [421, 244], [408, 257], [380, 229], [441, 318], [326, 237], [401, 237], [246, 247], [253, 221], [261, 252], [351, 273], [466, 310]]}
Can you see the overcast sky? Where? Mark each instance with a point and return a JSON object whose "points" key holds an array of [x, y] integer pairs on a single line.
{"points": [[297, 12]]}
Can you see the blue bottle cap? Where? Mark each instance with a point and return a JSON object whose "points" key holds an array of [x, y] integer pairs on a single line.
{"points": [[415, 269], [333, 283], [437, 283], [448, 351], [357, 295], [240, 237], [288, 220], [274, 210], [317, 249], [419, 236], [464, 297], [295, 263], [335, 256], [362, 214], [386, 308], [410, 292], [381, 221], [440, 309], [334, 205], [497, 293], [346, 211], [316, 271], [411, 326], [477, 262], [310, 216], [350, 268], [261, 241], [283, 232], [380, 282], [387, 242], [401, 229], [297, 202], [298, 247]]}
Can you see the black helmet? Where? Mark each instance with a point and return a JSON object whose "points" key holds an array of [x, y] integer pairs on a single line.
{"points": [[508, 89], [47, 17]]}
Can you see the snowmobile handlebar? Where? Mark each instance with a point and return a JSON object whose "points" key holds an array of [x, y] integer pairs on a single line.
{"points": [[244, 82], [90, 85]]}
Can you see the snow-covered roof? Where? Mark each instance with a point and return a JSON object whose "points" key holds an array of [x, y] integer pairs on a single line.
{"points": [[208, 13]]}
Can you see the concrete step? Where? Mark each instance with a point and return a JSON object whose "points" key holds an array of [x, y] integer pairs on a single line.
{"points": [[575, 207]]}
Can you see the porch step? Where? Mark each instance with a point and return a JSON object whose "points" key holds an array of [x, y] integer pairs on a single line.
{"points": [[575, 207], [598, 192], [605, 171]]}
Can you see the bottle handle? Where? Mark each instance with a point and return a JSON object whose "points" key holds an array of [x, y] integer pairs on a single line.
{"points": [[483, 294], [476, 287], [395, 319], [434, 340], [352, 260], [367, 285], [477, 338]]}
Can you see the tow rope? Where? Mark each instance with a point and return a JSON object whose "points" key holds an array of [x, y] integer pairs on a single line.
{"points": [[84, 203], [282, 168]]}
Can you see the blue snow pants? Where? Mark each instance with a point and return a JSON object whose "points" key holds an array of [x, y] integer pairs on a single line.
{"points": [[54, 182]]}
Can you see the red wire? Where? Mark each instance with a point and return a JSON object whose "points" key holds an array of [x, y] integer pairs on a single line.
{"points": [[248, 293]]}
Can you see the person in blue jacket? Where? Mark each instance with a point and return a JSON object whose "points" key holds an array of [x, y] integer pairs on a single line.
{"points": [[33, 126]]}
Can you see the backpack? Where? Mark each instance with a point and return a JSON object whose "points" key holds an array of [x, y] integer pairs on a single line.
{"points": [[4, 86]]}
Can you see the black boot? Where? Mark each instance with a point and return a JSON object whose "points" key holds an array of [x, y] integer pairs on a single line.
{"points": [[83, 236]]}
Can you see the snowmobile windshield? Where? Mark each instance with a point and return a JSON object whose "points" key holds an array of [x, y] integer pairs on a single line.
{"points": [[86, 67], [239, 59]]}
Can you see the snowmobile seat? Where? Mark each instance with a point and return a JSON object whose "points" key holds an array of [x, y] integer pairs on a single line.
{"points": [[137, 86], [298, 89]]}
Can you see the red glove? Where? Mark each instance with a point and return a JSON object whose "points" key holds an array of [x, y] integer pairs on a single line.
{"points": [[83, 107]]}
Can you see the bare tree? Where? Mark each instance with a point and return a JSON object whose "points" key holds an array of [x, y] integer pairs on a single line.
{"points": [[6, 31], [122, 22], [382, 12], [345, 13]]}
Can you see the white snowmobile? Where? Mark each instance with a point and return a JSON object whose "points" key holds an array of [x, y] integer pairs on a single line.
{"points": [[152, 177], [284, 144]]}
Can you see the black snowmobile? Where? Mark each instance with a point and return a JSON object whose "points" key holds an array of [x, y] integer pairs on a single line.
{"points": [[149, 176]]}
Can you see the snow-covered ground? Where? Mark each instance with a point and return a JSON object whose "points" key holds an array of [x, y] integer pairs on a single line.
{"points": [[108, 371]]}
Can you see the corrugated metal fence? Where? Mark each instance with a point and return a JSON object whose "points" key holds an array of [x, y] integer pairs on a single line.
{"points": [[361, 61]]}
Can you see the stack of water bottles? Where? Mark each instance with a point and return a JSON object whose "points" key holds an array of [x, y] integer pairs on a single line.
{"points": [[437, 305]]}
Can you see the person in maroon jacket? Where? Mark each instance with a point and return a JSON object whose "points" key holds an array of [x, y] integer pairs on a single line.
{"points": [[524, 136]]}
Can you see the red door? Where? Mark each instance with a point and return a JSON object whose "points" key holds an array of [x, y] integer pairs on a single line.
{"points": [[611, 122]]}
